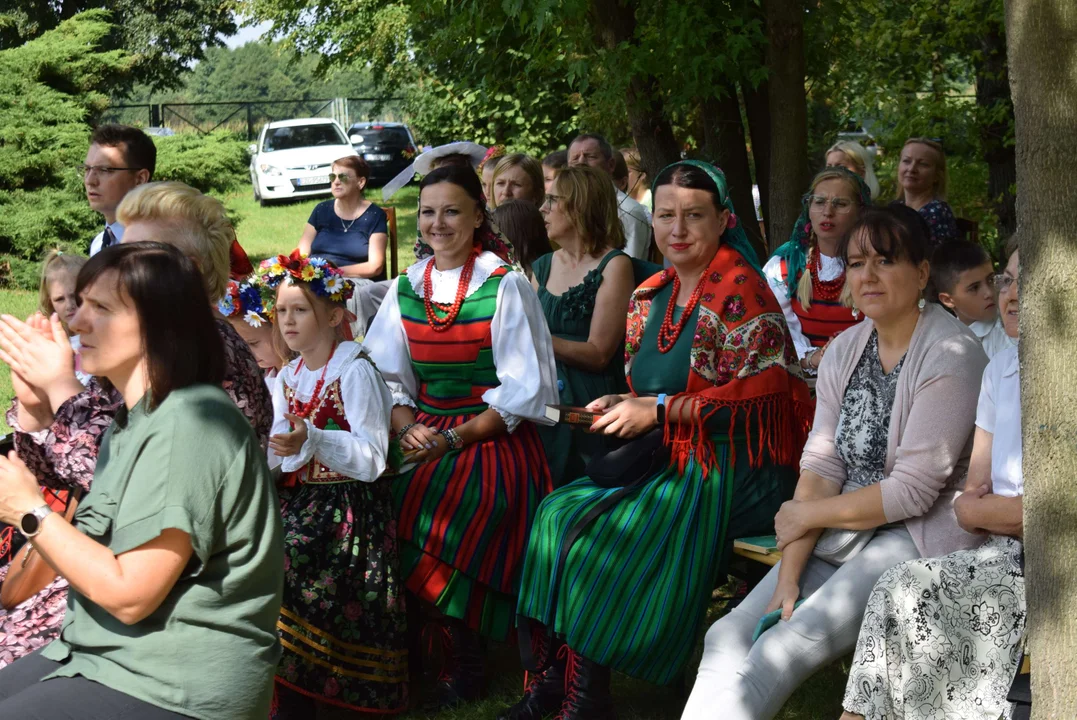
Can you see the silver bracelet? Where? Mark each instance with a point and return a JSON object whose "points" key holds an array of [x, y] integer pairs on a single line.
{"points": [[404, 430], [453, 439]]}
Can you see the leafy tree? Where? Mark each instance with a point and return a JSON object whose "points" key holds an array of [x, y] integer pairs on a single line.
{"points": [[49, 89], [163, 37], [464, 75]]}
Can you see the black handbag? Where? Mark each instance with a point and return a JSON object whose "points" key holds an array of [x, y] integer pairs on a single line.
{"points": [[632, 463]]}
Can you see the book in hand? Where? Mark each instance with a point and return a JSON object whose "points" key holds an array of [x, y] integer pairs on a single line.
{"points": [[572, 415], [764, 545]]}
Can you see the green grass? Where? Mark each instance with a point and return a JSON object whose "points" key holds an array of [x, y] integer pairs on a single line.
{"points": [[19, 303], [276, 229]]}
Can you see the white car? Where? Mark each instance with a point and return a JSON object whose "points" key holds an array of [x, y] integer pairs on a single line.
{"points": [[292, 158]]}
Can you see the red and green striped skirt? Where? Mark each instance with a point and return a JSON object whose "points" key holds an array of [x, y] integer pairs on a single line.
{"points": [[464, 523]]}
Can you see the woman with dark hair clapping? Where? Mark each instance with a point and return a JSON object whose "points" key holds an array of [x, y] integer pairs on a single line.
{"points": [[175, 556]]}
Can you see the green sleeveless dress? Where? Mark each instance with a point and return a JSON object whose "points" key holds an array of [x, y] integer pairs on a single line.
{"points": [[569, 317]]}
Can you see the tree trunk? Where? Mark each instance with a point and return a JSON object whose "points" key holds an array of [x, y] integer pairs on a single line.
{"points": [[788, 103], [1042, 40], [993, 93], [757, 108], [615, 23], [650, 125], [724, 143]]}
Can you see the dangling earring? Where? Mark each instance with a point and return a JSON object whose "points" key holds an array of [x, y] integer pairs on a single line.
{"points": [[856, 313], [922, 303]]}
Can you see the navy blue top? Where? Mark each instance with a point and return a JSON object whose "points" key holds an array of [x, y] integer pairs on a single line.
{"points": [[345, 247]]}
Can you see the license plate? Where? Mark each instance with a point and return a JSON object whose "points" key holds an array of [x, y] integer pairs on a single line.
{"points": [[316, 180], [377, 157]]}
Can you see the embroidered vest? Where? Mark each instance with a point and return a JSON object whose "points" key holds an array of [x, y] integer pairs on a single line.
{"points": [[823, 320], [455, 367]]}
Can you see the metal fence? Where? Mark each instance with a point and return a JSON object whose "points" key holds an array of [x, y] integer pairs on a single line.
{"points": [[249, 115]]}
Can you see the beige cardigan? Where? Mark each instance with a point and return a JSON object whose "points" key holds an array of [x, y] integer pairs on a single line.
{"points": [[931, 426]]}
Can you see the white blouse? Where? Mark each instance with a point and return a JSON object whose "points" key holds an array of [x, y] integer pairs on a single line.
{"points": [[522, 346], [358, 453], [993, 336], [831, 268], [999, 413]]}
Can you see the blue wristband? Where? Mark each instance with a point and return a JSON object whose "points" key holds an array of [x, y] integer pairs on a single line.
{"points": [[661, 408]]}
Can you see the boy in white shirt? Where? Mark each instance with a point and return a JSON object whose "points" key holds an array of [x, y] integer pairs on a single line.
{"points": [[963, 278]]}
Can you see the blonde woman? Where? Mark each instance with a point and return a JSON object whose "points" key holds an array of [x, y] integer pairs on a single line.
{"points": [[855, 158], [517, 177], [806, 274], [921, 183], [639, 182]]}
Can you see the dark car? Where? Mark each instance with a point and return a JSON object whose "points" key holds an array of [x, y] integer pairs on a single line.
{"points": [[388, 148]]}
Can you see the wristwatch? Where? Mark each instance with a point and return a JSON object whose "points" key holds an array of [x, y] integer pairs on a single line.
{"points": [[30, 523], [661, 408]]}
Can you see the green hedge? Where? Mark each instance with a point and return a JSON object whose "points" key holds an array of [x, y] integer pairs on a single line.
{"points": [[51, 89]]}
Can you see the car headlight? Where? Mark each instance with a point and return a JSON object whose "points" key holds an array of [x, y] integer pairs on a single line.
{"points": [[268, 169]]}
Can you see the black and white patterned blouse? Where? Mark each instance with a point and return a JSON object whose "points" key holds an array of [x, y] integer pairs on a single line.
{"points": [[864, 420]]}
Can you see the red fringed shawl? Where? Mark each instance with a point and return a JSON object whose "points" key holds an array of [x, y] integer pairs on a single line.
{"points": [[742, 359]]}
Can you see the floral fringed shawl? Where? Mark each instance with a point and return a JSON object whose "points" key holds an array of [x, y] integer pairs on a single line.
{"points": [[742, 359]]}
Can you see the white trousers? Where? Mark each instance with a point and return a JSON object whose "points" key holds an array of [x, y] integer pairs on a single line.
{"points": [[739, 680]]}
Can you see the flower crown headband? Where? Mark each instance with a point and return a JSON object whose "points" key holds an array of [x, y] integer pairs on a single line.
{"points": [[323, 278], [255, 299]]}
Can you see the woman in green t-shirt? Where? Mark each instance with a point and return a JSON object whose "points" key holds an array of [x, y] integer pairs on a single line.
{"points": [[175, 556]]}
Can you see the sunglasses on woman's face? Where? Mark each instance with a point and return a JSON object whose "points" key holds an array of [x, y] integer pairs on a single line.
{"points": [[344, 178]]}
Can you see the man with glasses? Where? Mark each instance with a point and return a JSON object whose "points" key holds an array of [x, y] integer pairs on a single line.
{"points": [[120, 158], [593, 150]]}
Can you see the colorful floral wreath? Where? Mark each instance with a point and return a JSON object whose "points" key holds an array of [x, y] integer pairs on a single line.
{"points": [[250, 300], [322, 277]]}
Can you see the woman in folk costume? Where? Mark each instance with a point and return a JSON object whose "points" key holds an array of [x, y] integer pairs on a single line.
{"points": [[806, 274], [621, 564], [343, 623], [463, 344]]}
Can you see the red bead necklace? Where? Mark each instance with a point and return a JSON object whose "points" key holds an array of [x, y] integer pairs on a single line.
{"points": [[668, 332], [304, 411], [432, 319], [825, 290]]}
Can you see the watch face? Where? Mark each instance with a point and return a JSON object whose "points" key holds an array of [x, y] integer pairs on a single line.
{"points": [[30, 524]]}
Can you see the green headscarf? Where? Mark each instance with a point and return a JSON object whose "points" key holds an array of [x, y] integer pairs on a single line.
{"points": [[734, 233], [795, 251]]}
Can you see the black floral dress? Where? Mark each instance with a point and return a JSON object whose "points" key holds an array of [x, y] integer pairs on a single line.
{"points": [[864, 421]]}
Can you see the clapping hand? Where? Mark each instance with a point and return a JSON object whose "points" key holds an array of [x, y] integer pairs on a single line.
{"points": [[38, 351]]}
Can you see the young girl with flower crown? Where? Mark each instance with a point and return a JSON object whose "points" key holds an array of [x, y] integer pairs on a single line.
{"points": [[342, 623], [248, 307]]}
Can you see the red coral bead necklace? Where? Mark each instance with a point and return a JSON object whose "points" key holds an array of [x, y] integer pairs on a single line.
{"points": [[436, 323], [304, 410], [669, 331], [825, 290]]}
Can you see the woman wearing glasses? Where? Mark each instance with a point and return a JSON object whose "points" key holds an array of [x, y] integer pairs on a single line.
{"points": [[584, 288], [349, 231], [806, 274]]}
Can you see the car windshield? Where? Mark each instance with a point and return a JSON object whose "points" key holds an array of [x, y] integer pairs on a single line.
{"points": [[382, 136], [299, 136]]}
